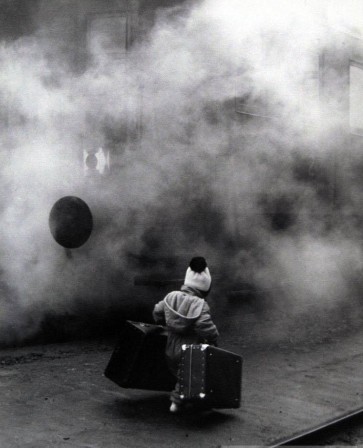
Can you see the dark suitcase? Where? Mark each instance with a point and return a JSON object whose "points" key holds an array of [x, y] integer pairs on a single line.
{"points": [[139, 361], [210, 375]]}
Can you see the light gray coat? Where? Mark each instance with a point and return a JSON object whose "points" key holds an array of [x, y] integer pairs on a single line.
{"points": [[188, 320]]}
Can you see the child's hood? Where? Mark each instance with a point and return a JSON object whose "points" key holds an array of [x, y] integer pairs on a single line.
{"points": [[182, 309]]}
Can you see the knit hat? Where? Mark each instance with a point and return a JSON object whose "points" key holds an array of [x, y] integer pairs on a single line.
{"points": [[198, 275]]}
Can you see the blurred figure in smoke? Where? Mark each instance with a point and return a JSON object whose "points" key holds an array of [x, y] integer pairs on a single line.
{"points": [[187, 317]]}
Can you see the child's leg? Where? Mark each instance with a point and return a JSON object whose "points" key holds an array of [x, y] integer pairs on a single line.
{"points": [[175, 394], [176, 401]]}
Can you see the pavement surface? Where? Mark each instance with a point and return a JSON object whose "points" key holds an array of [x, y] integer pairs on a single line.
{"points": [[56, 396]]}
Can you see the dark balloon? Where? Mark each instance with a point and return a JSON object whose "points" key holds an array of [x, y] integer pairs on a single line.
{"points": [[70, 222]]}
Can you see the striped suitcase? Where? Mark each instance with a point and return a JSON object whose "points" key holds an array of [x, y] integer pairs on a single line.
{"points": [[210, 375]]}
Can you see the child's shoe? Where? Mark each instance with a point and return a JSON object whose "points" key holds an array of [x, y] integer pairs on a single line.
{"points": [[174, 408]]}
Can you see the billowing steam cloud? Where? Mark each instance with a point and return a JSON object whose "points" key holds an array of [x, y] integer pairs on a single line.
{"points": [[195, 177]]}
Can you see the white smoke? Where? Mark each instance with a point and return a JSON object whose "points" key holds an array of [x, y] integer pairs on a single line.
{"points": [[191, 159]]}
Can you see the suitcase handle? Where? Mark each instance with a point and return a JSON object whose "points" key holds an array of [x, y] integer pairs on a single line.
{"points": [[156, 329]]}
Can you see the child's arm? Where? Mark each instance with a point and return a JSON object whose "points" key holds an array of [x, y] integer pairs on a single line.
{"points": [[204, 326], [158, 313]]}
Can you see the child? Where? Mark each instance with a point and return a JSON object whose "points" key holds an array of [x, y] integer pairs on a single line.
{"points": [[187, 317]]}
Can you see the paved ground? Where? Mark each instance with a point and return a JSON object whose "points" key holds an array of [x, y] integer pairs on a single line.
{"points": [[57, 396]]}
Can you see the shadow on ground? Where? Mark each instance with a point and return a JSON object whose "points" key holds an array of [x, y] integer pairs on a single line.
{"points": [[146, 408]]}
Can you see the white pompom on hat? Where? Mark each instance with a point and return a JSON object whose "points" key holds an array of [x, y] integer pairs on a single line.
{"points": [[198, 275]]}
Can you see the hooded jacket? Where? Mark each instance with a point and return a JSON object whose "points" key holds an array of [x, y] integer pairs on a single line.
{"points": [[188, 320]]}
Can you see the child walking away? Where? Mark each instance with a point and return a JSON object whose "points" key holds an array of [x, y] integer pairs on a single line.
{"points": [[187, 317]]}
